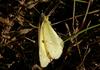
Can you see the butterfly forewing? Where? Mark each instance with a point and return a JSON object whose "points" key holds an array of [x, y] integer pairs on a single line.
{"points": [[53, 41]]}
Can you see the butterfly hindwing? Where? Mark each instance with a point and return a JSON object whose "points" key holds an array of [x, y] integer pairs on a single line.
{"points": [[44, 60]]}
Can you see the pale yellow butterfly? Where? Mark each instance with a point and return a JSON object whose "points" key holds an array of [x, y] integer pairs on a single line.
{"points": [[50, 44]]}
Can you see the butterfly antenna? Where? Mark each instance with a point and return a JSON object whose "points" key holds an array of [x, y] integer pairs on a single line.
{"points": [[54, 8]]}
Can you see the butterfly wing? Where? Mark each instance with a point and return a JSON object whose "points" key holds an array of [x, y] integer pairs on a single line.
{"points": [[44, 60], [50, 44], [54, 44]]}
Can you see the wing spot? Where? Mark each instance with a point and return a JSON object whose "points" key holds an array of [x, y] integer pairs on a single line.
{"points": [[42, 41]]}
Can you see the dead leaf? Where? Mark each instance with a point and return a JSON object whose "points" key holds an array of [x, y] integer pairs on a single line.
{"points": [[24, 31]]}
